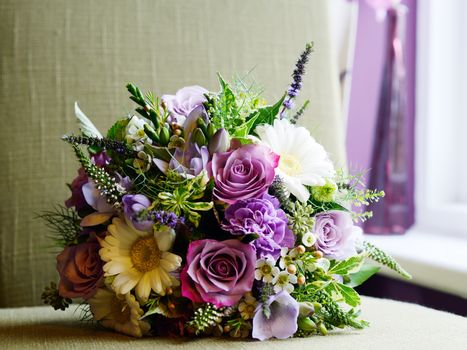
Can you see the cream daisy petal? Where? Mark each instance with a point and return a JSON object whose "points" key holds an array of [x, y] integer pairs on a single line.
{"points": [[295, 187], [139, 260], [143, 288]]}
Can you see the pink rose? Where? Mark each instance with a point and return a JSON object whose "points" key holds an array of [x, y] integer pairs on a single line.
{"points": [[244, 173], [218, 272], [80, 270]]}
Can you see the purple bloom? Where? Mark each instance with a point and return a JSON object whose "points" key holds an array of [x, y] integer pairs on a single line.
{"points": [[101, 159], [281, 323], [218, 272], [243, 173], [132, 205], [166, 218], [184, 102], [289, 104], [336, 234], [261, 216], [220, 142], [95, 198]]}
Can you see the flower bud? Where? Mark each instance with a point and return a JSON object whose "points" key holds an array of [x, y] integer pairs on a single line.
{"points": [[292, 269], [306, 308], [300, 249], [322, 329], [164, 136], [306, 324], [211, 131], [317, 254], [220, 141], [198, 137], [301, 280]]}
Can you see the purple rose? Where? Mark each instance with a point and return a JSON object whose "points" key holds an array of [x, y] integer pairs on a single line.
{"points": [[132, 205], [282, 323], [184, 101], [218, 272], [261, 216], [80, 270], [244, 173], [336, 234]]}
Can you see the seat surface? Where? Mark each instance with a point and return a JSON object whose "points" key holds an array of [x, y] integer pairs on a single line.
{"points": [[394, 325]]}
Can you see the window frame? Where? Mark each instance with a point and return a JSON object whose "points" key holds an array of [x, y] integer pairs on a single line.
{"points": [[441, 77]]}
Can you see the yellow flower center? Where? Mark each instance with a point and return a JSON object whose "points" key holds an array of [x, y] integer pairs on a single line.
{"points": [[120, 310], [266, 270], [145, 254], [289, 165]]}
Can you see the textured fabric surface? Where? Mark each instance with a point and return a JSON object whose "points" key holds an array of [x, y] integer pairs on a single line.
{"points": [[55, 52], [394, 325]]}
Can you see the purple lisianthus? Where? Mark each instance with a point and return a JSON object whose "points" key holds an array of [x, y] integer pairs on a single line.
{"points": [[243, 173], [184, 102], [261, 216], [281, 323], [132, 205], [218, 272], [336, 234]]}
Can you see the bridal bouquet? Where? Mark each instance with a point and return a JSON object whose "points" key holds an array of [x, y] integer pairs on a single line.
{"points": [[212, 213]]}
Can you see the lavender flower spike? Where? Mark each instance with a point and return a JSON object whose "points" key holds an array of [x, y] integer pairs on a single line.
{"points": [[297, 77], [282, 323]]}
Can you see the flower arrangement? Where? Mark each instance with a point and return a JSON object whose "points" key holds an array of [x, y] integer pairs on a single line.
{"points": [[212, 214]]}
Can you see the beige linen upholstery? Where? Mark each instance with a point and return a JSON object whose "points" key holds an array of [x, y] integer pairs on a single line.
{"points": [[394, 325], [55, 52]]}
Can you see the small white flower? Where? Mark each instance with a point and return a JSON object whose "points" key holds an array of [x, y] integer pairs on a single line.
{"points": [[247, 306], [134, 132], [265, 269], [308, 239], [284, 281], [119, 312], [323, 264], [287, 257], [303, 161]]}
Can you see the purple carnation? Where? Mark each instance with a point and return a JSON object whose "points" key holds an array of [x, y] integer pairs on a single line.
{"points": [[261, 216], [336, 234], [243, 173]]}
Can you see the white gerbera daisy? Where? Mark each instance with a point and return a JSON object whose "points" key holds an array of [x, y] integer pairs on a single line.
{"points": [[284, 281], [303, 161], [266, 269], [119, 312], [139, 259]]}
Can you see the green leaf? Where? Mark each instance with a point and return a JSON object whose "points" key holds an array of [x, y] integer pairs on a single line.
{"points": [[345, 267], [348, 294], [117, 131], [264, 115], [365, 272], [201, 206]]}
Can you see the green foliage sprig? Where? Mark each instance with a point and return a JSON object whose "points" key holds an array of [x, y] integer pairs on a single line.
{"points": [[205, 317], [65, 222], [51, 297], [104, 182], [385, 259]]}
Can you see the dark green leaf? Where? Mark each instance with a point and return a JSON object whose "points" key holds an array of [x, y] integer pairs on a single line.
{"points": [[117, 131]]}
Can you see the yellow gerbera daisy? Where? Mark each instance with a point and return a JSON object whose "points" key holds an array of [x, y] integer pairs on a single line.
{"points": [[139, 260], [119, 312]]}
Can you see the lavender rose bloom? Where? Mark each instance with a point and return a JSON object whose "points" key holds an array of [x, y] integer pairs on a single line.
{"points": [[218, 272], [282, 323], [132, 205], [243, 173], [184, 102], [261, 216], [336, 234], [80, 270]]}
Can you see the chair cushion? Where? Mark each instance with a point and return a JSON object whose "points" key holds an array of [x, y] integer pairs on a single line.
{"points": [[394, 325]]}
